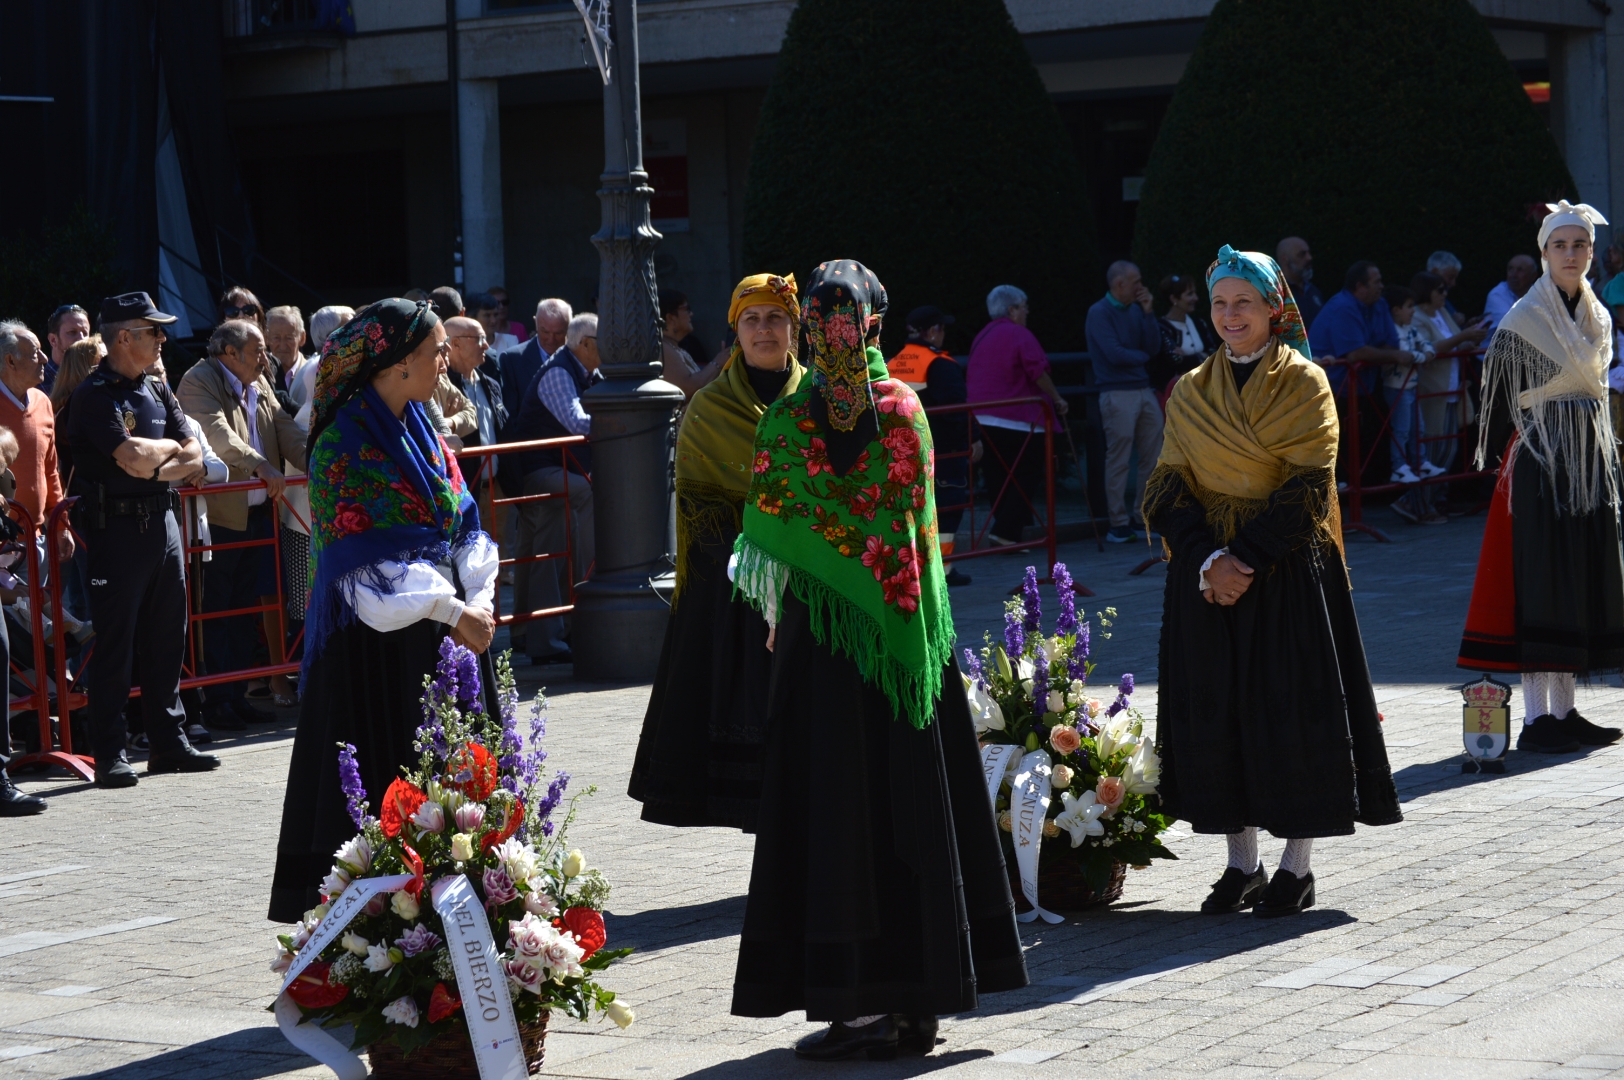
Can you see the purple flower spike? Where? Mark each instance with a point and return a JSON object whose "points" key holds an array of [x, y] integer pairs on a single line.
{"points": [[1078, 667], [974, 669], [457, 674], [1030, 601], [1014, 636], [1040, 680], [355, 792], [1126, 687], [1124, 691], [1067, 623]]}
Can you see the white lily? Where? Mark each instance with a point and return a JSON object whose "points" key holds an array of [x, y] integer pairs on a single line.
{"points": [[1116, 733], [1056, 701], [1144, 770], [1025, 669], [1081, 817], [983, 709]]}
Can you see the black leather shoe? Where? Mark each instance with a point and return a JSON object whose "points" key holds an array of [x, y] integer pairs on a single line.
{"points": [[186, 759], [1545, 736], [957, 577], [878, 1040], [119, 774], [253, 713], [14, 803], [915, 1034], [223, 718], [1575, 726], [1235, 891], [1287, 894]]}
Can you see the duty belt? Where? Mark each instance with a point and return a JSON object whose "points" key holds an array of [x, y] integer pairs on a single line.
{"points": [[141, 507]]}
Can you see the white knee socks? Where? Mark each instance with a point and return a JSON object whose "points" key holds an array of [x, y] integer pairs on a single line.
{"points": [[1295, 857], [1243, 850], [1562, 687], [1536, 694]]}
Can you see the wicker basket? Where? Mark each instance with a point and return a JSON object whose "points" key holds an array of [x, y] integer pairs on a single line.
{"points": [[450, 1057], [1062, 886]]}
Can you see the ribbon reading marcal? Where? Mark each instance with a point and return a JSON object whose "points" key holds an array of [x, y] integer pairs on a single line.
{"points": [[1029, 806], [481, 982], [311, 1038]]}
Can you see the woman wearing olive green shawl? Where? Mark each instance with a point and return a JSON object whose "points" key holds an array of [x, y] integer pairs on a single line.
{"points": [[699, 759], [1266, 717]]}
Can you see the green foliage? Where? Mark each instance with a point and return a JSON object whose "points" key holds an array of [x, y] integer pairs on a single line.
{"points": [[1381, 130], [68, 262], [917, 137]]}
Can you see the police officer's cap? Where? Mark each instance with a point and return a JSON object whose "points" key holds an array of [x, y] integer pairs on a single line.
{"points": [[922, 319], [126, 307]]}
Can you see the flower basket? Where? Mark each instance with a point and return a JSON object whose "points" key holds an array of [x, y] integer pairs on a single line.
{"points": [[1072, 779], [450, 1056], [1062, 886]]}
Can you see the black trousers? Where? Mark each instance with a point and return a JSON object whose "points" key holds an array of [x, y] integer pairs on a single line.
{"points": [[137, 586], [235, 578], [1011, 514]]}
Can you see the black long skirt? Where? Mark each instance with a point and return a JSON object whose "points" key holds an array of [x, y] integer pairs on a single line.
{"points": [[1266, 716], [364, 688], [699, 758], [1569, 574], [878, 883]]}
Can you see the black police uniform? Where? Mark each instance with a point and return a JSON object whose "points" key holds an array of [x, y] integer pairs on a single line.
{"points": [[136, 561]]}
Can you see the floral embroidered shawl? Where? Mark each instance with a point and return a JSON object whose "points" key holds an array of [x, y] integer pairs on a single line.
{"points": [[381, 490], [860, 550]]}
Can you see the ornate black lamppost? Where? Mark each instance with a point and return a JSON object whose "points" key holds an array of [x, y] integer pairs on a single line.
{"points": [[620, 614]]}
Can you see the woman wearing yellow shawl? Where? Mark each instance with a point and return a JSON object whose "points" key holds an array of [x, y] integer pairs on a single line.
{"points": [[699, 759], [1266, 715]]}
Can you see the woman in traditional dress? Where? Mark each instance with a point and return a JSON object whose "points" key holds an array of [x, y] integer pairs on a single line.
{"points": [[878, 896], [1549, 596], [1266, 715], [699, 759], [400, 562]]}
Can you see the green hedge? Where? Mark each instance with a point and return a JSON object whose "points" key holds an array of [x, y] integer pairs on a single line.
{"points": [[69, 261], [1383, 129], [917, 137]]}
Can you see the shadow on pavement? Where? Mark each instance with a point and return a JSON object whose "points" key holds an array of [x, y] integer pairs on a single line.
{"points": [[1427, 779], [778, 1063], [662, 928], [242, 1055]]}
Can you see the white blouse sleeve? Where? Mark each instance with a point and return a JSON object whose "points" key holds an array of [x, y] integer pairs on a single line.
{"points": [[477, 562], [421, 592], [1208, 566]]}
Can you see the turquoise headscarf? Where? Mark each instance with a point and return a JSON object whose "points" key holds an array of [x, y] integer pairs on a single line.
{"points": [[1264, 275]]}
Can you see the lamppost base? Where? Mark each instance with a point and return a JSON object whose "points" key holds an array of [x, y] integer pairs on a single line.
{"points": [[619, 627]]}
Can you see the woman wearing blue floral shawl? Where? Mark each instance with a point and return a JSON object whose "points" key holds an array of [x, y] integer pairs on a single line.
{"points": [[398, 564]]}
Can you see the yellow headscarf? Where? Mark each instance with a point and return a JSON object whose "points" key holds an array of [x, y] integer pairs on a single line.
{"points": [[765, 289]]}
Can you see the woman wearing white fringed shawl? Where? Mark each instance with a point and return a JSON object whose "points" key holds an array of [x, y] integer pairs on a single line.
{"points": [[1549, 597]]}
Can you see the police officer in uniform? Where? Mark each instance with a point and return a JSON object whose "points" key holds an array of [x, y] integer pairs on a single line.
{"points": [[129, 440], [939, 380]]}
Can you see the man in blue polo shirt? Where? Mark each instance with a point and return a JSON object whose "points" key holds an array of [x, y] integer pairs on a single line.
{"points": [[1356, 324]]}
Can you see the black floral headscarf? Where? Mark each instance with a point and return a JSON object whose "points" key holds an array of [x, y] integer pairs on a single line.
{"points": [[843, 296], [380, 335]]}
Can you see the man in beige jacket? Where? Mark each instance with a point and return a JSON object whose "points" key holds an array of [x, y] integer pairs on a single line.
{"points": [[230, 398]]}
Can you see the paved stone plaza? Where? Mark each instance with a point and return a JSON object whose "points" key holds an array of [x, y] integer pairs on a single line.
{"points": [[1482, 938]]}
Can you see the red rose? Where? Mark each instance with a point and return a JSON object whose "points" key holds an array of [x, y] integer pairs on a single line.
{"points": [[351, 518], [587, 926]]}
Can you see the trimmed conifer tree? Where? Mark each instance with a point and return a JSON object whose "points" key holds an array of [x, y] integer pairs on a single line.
{"points": [[1381, 130], [917, 137]]}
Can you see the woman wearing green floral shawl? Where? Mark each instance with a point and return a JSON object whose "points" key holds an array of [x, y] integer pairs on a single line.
{"points": [[699, 757], [878, 894]]}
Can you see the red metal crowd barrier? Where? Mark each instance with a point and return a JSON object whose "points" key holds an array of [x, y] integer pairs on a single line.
{"points": [[55, 739], [1354, 458], [1010, 487]]}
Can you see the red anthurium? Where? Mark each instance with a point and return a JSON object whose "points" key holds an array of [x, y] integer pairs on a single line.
{"points": [[415, 861], [312, 990], [587, 926], [515, 815], [442, 1003], [472, 771], [400, 802]]}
